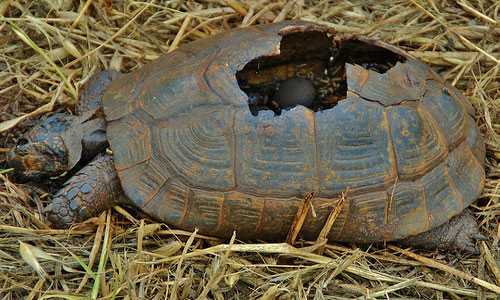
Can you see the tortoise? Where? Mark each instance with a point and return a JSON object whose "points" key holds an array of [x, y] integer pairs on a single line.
{"points": [[381, 138]]}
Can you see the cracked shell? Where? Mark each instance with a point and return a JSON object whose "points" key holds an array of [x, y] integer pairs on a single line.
{"points": [[188, 151]]}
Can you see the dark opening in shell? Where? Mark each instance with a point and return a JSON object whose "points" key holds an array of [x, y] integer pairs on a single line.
{"points": [[316, 57]]}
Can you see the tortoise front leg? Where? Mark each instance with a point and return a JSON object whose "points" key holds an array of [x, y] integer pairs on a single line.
{"points": [[86, 194]]}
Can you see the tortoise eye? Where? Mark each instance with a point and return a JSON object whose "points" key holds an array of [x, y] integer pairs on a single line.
{"points": [[22, 141]]}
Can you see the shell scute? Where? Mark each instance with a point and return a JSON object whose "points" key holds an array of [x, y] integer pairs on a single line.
{"points": [[242, 212], [276, 154], [475, 139], [441, 199], [170, 202], [163, 102], [204, 210], [354, 147], [446, 111], [199, 150], [367, 214], [407, 209], [400, 83], [142, 182], [466, 172], [416, 141], [131, 140]]}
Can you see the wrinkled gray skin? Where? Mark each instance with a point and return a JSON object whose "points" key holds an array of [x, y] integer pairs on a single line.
{"points": [[49, 148], [58, 142], [460, 233]]}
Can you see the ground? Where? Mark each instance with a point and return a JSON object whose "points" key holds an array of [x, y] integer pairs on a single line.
{"points": [[48, 50]]}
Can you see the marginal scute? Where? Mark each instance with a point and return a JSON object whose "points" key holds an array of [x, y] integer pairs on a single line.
{"points": [[475, 139], [115, 102], [243, 214], [416, 140], [319, 213], [170, 203], [131, 141], [459, 96], [467, 173], [398, 211], [277, 216], [354, 147], [366, 219], [441, 199], [408, 209], [276, 154], [204, 210], [446, 111], [142, 182]]}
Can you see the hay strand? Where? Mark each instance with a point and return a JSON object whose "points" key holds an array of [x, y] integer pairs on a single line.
{"points": [[49, 50]]}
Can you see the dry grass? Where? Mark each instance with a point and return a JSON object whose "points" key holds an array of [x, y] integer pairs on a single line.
{"points": [[49, 48]]}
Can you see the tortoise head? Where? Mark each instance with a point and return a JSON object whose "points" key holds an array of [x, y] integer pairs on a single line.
{"points": [[41, 152], [35, 160]]}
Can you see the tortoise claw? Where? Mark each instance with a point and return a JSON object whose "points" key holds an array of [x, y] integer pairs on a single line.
{"points": [[469, 243], [466, 234], [479, 237], [467, 246], [58, 212], [49, 208], [474, 250]]}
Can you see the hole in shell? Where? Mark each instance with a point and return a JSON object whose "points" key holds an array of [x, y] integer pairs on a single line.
{"points": [[308, 71]]}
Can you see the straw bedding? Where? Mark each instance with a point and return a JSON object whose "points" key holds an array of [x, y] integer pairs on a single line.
{"points": [[49, 49]]}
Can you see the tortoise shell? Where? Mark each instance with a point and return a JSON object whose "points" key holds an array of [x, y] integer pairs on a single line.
{"points": [[401, 145]]}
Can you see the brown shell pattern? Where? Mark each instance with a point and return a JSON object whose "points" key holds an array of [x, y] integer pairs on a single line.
{"points": [[189, 152]]}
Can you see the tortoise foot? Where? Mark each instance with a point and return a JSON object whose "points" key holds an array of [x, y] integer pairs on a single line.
{"points": [[460, 234], [89, 192]]}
